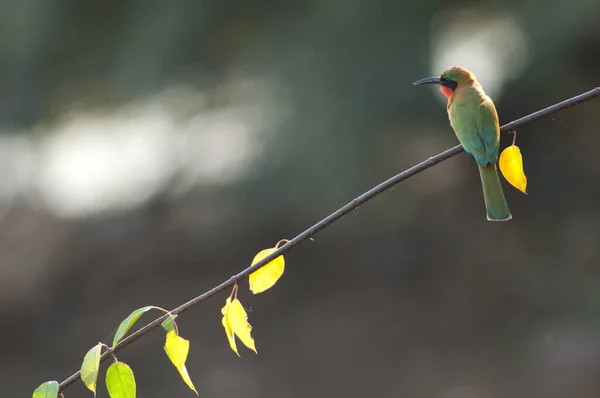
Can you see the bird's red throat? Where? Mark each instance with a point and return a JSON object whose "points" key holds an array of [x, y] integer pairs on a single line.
{"points": [[447, 91]]}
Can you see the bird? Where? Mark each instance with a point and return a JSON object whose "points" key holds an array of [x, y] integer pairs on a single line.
{"points": [[474, 119]]}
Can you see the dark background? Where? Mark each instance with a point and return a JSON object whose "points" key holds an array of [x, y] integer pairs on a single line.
{"points": [[148, 149]]}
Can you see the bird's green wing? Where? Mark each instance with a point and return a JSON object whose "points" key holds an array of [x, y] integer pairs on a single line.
{"points": [[489, 129], [475, 123]]}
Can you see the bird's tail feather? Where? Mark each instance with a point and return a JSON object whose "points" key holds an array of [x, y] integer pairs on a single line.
{"points": [[495, 203]]}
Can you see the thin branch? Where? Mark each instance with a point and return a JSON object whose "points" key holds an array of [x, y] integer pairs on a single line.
{"points": [[353, 205]]}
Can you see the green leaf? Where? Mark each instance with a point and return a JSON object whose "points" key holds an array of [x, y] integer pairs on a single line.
{"points": [[90, 366], [120, 381], [128, 322], [48, 389], [169, 323]]}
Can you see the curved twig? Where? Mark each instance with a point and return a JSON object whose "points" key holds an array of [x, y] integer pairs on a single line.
{"points": [[351, 206]]}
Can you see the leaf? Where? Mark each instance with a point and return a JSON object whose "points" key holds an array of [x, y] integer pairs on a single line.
{"points": [[120, 381], [48, 389], [128, 322], [169, 323], [264, 278], [90, 366], [237, 319], [177, 349], [511, 165], [228, 330]]}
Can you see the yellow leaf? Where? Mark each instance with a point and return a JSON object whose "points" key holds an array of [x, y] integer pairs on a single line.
{"points": [[238, 321], [265, 277], [177, 349], [511, 165], [235, 322], [228, 330], [90, 367]]}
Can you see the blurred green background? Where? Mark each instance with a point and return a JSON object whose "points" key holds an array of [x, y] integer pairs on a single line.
{"points": [[148, 149]]}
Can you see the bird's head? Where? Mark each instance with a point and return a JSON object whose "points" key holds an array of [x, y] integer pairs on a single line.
{"points": [[454, 77]]}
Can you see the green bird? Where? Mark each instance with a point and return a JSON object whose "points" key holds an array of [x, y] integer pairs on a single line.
{"points": [[474, 119]]}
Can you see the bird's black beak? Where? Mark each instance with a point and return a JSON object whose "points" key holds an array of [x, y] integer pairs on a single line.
{"points": [[428, 80]]}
